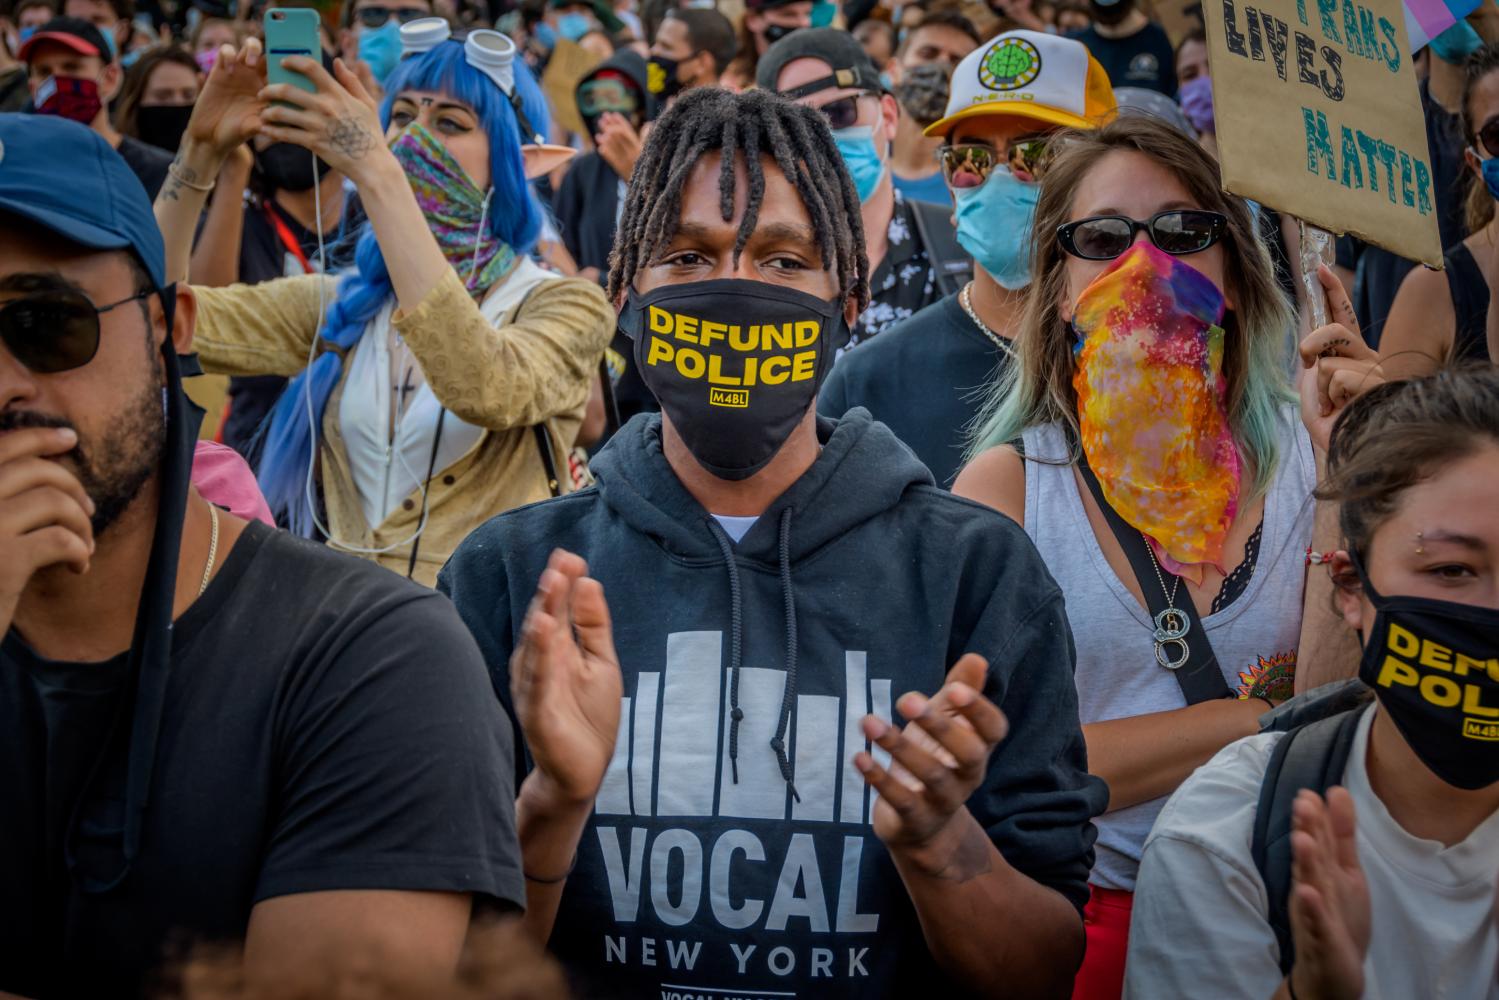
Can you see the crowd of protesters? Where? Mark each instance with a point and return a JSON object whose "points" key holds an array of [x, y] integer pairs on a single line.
{"points": [[692, 499]]}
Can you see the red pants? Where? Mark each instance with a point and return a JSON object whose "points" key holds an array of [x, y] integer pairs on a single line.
{"points": [[1106, 918]]}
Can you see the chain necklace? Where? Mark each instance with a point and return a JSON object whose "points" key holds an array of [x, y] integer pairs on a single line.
{"points": [[1172, 624], [213, 549], [965, 299]]}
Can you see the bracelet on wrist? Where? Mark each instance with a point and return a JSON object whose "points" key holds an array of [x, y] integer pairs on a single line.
{"points": [[175, 172]]}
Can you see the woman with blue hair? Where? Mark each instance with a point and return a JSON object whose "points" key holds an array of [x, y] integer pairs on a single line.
{"points": [[443, 379]]}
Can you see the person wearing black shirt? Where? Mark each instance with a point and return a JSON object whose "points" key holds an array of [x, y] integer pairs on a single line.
{"points": [[1133, 49], [209, 730], [75, 75]]}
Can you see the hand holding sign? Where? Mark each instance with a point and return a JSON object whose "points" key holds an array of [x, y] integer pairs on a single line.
{"points": [[1330, 911], [1337, 365]]}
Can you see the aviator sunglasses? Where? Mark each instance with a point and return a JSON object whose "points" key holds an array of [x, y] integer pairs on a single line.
{"points": [[971, 163], [56, 330], [1177, 232]]}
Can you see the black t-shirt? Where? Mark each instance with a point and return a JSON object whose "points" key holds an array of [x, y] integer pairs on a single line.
{"points": [[1144, 59], [327, 725], [924, 379], [148, 162], [263, 256]]}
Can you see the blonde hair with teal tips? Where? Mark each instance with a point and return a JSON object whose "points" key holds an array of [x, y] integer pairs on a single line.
{"points": [[1036, 386]]}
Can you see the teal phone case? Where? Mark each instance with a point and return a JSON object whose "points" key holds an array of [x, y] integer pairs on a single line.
{"points": [[290, 31]]}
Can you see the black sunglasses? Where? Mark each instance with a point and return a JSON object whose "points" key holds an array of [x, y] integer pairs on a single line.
{"points": [[1488, 137], [1177, 232], [55, 331], [375, 17], [842, 113]]}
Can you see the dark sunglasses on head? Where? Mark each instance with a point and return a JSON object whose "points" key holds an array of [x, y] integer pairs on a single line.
{"points": [[1025, 158], [375, 17], [54, 331], [1177, 232], [1488, 138]]}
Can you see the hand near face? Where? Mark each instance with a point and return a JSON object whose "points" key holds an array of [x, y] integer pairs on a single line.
{"points": [[44, 511], [618, 143], [340, 122], [1330, 912], [227, 112], [1337, 365], [565, 681], [937, 760]]}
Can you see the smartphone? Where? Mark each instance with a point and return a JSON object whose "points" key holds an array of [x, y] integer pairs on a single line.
{"points": [[291, 31]]}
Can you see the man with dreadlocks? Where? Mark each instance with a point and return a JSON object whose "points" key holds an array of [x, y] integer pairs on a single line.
{"points": [[741, 818]]}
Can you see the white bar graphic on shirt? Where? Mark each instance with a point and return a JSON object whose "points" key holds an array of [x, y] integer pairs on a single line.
{"points": [[855, 707], [643, 753], [816, 757], [689, 724], [761, 791], [879, 690], [614, 793]]}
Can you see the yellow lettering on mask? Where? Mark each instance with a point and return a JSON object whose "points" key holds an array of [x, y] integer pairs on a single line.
{"points": [[1440, 691], [1467, 663], [661, 320], [660, 351], [715, 369], [803, 366], [1435, 655], [751, 368], [686, 328], [1394, 672], [806, 332], [1475, 729], [1473, 702], [772, 336], [773, 371], [690, 363], [739, 340], [710, 332], [1403, 643]]}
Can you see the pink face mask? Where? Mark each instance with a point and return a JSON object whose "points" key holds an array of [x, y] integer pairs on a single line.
{"points": [[206, 59], [1151, 402]]}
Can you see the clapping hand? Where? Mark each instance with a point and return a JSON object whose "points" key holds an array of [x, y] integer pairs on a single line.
{"points": [[565, 681], [937, 760], [1330, 913], [1337, 365]]}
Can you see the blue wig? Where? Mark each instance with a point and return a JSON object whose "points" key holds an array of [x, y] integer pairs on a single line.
{"points": [[364, 291]]}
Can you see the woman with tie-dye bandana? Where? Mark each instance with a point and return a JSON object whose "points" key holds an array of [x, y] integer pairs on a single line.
{"points": [[1152, 353], [443, 379]]}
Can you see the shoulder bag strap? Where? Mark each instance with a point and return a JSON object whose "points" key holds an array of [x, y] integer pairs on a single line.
{"points": [[950, 263], [1198, 674]]}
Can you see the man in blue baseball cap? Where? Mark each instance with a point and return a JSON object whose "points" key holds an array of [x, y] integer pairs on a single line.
{"points": [[207, 727]]}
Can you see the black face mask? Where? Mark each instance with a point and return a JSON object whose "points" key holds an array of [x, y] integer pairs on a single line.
{"points": [[1112, 14], [288, 167], [775, 32], [661, 77], [1434, 666], [162, 125], [734, 363]]}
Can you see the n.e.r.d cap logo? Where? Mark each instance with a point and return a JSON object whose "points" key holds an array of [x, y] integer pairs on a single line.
{"points": [[1010, 64]]}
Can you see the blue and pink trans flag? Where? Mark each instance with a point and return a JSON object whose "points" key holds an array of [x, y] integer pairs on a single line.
{"points": [[1426, 19]]}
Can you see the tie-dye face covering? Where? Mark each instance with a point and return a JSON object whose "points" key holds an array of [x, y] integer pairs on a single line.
{"points": [[1151, 405], [457, 211]]}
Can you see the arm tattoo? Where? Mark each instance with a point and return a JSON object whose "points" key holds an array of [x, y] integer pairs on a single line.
{"points": [[970, 860], [349, 136]]}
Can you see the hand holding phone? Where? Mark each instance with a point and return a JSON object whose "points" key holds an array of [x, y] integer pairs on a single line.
{"points": [[291, 31]]}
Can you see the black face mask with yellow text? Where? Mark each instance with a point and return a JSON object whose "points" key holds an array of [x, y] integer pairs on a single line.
{"points": [[1434, 665], [734, 363]]}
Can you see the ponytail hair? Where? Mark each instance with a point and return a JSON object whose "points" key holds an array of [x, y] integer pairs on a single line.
{"points": [[285, 467]]}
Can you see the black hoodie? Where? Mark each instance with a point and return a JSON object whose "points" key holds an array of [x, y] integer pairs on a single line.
{"points": [[861, 582]]}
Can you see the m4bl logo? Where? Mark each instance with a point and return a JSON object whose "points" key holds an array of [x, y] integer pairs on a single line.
{"points": [[735, 398]]}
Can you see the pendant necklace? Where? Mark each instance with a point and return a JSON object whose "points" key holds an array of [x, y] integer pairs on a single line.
{"points": [[1172, 624]]}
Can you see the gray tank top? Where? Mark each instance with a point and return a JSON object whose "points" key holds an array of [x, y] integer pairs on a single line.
{"points": [[1117, 673]]}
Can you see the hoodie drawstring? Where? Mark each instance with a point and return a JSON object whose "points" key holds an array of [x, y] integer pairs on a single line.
{"points": [[736, 618]]}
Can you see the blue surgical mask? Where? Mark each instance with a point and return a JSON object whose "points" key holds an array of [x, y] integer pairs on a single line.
{"points": [[995, 223], [380, 48], [574, 25], [545, 35], [887, 81], [131, 58], [26, 33], [112, 43], [1456, 44], [1490, 169], [823, 12], [856, 146]]}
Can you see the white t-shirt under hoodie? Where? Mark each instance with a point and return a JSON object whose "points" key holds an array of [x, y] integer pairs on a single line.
{"points": [[1199, 927]]}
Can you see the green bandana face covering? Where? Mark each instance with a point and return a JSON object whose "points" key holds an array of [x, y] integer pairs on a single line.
{"points": [[457, 211]]}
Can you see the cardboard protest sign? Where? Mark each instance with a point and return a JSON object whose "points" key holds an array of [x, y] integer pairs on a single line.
{"points": [[1180, 17], [1318, 116], [570, 62]]}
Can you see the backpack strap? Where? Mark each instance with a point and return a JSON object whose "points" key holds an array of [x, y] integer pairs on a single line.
{"points": [[1314, 756], [951, 265]]}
